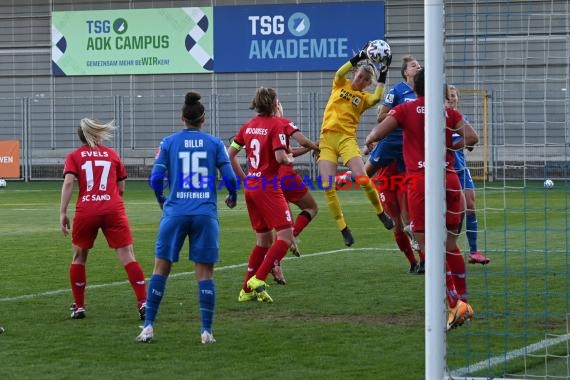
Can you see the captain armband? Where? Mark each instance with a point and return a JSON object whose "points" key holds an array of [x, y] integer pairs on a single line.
{"points": [[236, 146]]}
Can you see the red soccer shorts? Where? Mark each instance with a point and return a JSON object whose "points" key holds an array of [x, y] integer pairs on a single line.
{"points": [[115, 227], [391, 189], [416, 202], [291, 184], [267, 209]]}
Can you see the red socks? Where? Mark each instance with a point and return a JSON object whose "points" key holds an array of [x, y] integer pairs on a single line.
{"points": [[277, 251], [301, 222], [403, 243], [78, 281], [456, 272], [77, 277], [136, 278], [255, 259]]}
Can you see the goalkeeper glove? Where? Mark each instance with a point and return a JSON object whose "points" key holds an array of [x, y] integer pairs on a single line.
{"points": [[383, 72], [360, 55], [382, 75]]}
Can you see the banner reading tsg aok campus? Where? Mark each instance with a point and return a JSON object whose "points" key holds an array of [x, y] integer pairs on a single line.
{"points": [[292, 37]]}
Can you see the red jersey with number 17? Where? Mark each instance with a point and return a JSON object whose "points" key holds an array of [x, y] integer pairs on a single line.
{"points": [[261, 137], [411, 118], [97, 171]]}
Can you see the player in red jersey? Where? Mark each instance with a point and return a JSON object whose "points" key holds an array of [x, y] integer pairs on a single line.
{"points": [[297, 193], [265, 140], [410, 117], [101, 177]]}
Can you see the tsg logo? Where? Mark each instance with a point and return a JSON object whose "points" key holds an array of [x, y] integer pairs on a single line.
{"points": [[120, 26], [104, 26], [282, 37], [298, 25]]}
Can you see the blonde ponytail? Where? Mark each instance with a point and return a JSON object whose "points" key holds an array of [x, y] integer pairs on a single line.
{"points": [[92, 132]]}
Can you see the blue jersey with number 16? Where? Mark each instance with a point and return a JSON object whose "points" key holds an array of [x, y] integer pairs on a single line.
{"points": [[191, 159]]}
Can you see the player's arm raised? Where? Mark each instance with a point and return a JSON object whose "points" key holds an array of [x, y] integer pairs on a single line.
{"points": [[381, 130]]}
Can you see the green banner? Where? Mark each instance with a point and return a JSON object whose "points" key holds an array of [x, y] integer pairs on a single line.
{"points": [[133, 41]]}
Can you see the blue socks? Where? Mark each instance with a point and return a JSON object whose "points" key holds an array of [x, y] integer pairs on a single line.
{"points": [[207, 302], [471, 226], [156, 286]]}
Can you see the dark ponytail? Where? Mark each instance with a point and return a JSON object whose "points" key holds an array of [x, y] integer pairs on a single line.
{"points": [[193, 111]]}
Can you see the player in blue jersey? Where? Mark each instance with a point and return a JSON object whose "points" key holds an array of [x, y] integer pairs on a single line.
{"points": [[471, 225], [387, 160], [188, 160]]}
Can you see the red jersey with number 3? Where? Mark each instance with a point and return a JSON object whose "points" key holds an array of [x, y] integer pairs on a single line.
{"points": [[97, 171], [261, 137], [411, 118]]}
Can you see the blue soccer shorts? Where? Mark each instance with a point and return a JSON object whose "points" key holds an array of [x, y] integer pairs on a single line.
{"points": [[465, 179], [203, 232], [385, 152]]}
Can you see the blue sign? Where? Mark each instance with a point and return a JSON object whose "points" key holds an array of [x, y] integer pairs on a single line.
{"points": [[293, 37]]}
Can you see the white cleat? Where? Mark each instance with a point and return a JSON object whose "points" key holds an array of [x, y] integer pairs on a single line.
{"points": [[413, 242], [146, 335], [207, 338]]}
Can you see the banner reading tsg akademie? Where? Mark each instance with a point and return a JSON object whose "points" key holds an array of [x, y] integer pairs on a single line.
{"points": [[132, 41], [293, 37], [248, 38]]}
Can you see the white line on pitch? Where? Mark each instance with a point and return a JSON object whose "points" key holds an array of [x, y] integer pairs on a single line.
{"points": [[226, 267], [500, 359]]}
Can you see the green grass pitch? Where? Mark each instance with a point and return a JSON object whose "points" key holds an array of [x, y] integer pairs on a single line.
{"points": [[345, 312]]}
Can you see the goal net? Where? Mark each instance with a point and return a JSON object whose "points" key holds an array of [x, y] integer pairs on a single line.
{"points": [[512, 62]]}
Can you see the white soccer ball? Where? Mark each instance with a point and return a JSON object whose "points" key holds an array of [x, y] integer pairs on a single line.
{"points": [[2, 182], [548, 184], [379, 51]]}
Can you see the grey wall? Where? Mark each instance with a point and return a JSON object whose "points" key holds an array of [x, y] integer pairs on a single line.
{"points": [[512, 55]]}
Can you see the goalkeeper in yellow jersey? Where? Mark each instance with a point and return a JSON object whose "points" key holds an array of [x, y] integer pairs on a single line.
{"points": [[347, 102]]}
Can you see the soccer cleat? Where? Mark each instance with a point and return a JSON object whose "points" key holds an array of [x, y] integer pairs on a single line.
{"points": [[344, 179], [421, 269], [264, 297], [207, 337], [386, 220], [246, 296], [415, 245], [459, 314], [347, 236], [413, 242], [278, 275], [142, 311], [2, 330], [413, 268], [478, 258], [259, 287], [294, 249], [77, 312], [146, 335]]}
